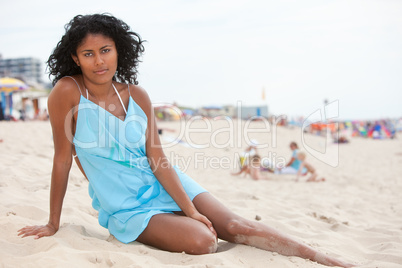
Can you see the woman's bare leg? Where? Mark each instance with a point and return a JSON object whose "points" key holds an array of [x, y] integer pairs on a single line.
{"points": [[235, 229], [176, 233]]}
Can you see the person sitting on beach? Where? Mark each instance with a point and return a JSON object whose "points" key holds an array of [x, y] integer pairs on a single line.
{"points": [[292, 167], [301, 156], [103, 120], [248, 153], [341, 139], [253, 169]]}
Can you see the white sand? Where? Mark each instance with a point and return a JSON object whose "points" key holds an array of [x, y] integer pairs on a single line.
{"points": [[355, 215]]}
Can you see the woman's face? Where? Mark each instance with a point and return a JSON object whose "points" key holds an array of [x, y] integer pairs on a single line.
{"points": [[97, 58]]}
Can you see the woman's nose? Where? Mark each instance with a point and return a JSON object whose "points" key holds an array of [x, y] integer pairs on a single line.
{"points": [[98, 59]]}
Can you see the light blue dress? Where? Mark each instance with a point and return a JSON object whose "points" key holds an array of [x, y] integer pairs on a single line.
{"points": [[122, 185], [294, 167], [296, 162]]}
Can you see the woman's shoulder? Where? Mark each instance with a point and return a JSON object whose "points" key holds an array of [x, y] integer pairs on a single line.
{"points": [[141, 98], [66, 89], [137, 91], [139, 95], [67, 84]]}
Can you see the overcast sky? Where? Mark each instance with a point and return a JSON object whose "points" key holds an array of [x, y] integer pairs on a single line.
{"points": [[219, 52]]}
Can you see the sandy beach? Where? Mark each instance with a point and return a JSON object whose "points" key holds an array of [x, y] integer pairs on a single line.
{"points": [[356, 214]]}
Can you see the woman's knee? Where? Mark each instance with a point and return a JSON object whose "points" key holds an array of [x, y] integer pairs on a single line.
{"points": [[202, 243], [177, 234]]}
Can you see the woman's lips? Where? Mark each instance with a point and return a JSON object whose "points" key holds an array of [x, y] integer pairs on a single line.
{"points": [[102, 71]]}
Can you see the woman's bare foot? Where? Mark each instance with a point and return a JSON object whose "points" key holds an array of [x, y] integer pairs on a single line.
{"points": [[330, 261]]}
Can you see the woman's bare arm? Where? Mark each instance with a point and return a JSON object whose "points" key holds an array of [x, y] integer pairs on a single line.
{"points": [[159, 163], [60, 104]]}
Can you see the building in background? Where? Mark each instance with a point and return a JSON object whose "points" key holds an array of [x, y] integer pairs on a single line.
{"points": [[252, 112], [24, 104], [239, 111], [30, 70], [217, 110]]}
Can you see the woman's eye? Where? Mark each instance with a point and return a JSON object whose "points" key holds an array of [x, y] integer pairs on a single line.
{"points": [[87, 54], [106, 50]]}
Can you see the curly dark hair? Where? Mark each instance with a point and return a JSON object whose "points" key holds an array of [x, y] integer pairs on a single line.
{"points": [[128, 44]]}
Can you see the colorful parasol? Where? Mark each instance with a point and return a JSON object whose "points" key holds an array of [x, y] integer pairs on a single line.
{"points": [[8, 84]]}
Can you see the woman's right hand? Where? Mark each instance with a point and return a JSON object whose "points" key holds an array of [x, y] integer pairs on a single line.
{"points": [[199, 217], [38, 231]]}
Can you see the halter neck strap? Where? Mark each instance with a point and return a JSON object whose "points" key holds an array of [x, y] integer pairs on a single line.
{"points": [[118, 95]]}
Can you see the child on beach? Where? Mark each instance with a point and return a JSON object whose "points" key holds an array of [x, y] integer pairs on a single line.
{"points": [[103, 120], [253, 169], [301, 156]]}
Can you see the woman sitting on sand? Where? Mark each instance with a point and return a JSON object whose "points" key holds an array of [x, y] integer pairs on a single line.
{"points": [[102, 118], [253, 169], [248, 153], [293, 165]]}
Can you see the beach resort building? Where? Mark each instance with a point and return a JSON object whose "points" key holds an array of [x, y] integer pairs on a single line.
{"points": [[249, 112], [217, 110], [28, 69], [243, 112]]}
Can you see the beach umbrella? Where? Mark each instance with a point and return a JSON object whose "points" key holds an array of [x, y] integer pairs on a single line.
{"points": [[9, 84]]}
